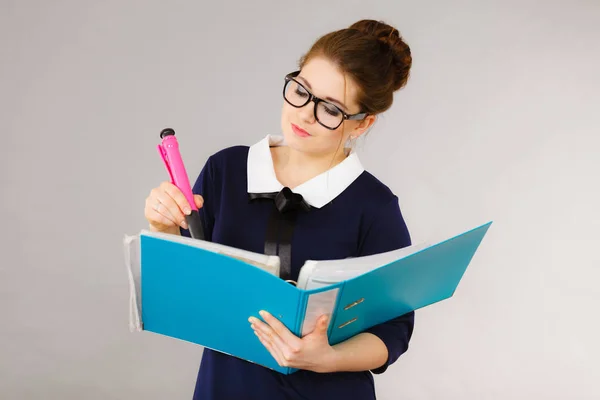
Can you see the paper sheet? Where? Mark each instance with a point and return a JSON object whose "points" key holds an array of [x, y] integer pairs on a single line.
{"points": [[318, 304], [132, 262]]}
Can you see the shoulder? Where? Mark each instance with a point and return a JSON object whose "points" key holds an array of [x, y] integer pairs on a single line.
{"points": [[223, 170], [230, 154], [227, 159], [375, 200], [373, 191], [383, 227]]}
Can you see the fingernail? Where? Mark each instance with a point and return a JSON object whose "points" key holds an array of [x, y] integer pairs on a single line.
{"points": [[184, 225], [262, 313], [187, 211], [251, 320]]}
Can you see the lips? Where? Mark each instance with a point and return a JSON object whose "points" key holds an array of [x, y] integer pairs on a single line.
{"points": [[299, 131]]}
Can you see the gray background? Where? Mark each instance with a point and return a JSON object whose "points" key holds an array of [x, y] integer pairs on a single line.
{"points": [[499, 121]]}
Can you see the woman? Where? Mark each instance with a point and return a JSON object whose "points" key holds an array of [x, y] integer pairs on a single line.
{"points": [[335, 209]]}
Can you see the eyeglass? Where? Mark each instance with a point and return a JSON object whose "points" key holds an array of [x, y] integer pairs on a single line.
{"points": [[327, 114]]}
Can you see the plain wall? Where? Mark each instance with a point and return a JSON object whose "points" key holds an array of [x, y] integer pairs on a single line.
{"points": [[499, 121]]}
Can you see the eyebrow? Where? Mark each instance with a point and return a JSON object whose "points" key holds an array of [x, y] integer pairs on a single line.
{"points": [[326, 98]]}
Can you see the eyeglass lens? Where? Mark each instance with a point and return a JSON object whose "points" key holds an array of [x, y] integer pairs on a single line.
{"points": [[328, 114]]}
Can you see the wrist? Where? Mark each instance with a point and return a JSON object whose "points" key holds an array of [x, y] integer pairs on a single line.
{"points": [[332, 360], [362, 352], [171, 230]]}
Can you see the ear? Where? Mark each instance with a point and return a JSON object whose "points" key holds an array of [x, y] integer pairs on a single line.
{"points": [[363, 126]]}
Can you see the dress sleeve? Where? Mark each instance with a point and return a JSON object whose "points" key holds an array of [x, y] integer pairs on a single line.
{"points": [[205, 187], [388, 232]]}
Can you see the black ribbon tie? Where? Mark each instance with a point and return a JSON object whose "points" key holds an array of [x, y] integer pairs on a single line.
{"points": [[280, 227]]}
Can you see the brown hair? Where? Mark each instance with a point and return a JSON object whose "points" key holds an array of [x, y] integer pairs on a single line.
{"points": [[373, 55]]}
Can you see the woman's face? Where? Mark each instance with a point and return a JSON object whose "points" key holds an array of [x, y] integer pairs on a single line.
{"points": [[301, 130]]}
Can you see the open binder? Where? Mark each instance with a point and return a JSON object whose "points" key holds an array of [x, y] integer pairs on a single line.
{"points": [[203, 292]]}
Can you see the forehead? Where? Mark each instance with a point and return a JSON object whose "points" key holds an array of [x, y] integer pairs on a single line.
{"points": [[326, 80]]}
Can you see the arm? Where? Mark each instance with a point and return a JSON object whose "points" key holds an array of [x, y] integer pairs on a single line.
{"points": [[389, 232], [376, 348], [362, 352], [381, 345]]}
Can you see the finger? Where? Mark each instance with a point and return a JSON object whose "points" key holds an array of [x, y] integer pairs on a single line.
{"points": [[323, 324], [275, 352], [168, 207], [157, 218], [321, 328], [259, 326], [180, 201], [281, 330], [154, 207], [154, 203], [199, 200], [285, 349], [164, 210]]}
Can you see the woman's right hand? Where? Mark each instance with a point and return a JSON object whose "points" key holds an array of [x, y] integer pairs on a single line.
{"points": [[166, 208]]}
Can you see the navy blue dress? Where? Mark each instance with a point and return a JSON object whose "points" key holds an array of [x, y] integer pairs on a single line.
{"points": [[352, 214]]}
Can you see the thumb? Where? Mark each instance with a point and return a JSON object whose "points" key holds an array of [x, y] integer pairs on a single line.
{"points": [[199, 200], [323, 323]]}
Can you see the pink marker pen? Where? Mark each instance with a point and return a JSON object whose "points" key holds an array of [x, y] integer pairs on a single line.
{"points": [[169, 151]]}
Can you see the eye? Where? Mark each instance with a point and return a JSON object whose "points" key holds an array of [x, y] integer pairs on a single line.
{"points": [[331, 110], [300, 91]]}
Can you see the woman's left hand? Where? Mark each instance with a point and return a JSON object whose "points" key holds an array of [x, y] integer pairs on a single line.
{"points": [[311, 352]]}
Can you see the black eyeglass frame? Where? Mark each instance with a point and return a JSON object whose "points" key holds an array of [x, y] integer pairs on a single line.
{"points": [[316, 100]]}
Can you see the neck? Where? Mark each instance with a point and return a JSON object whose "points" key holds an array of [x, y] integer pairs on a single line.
{"points": [[294, 168]]}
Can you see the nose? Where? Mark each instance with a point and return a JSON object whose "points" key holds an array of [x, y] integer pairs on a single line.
{"points": [[307, 113]]}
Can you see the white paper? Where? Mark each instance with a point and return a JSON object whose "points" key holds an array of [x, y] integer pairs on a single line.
{"points": [[315, 274], [318, 304], [270, 264], [132, 262]]}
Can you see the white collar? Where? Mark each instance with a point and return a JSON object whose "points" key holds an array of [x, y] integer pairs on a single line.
{"points": [[317, 191]]}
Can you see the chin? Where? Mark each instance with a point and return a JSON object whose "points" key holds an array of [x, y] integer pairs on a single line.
{"points": [[294, 141], [288, 133]]}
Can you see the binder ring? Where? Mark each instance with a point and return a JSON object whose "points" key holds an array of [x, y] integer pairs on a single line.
{"points": [[354, 303], [348, 322]]}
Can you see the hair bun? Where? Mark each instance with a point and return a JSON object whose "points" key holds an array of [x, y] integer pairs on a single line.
{"points": [[390, 37]]}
